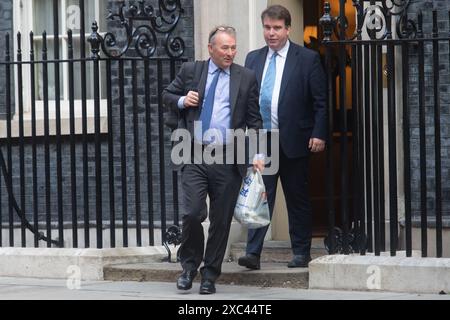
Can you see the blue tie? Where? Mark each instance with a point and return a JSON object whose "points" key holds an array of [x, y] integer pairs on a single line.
{"points": [[205, 116], [267, 91]]}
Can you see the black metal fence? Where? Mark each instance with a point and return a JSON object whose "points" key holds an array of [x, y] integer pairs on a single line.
{"points": [[97, 160], [391, 78]]}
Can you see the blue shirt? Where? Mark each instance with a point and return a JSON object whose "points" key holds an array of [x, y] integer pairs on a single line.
{"points": [[221, 115]]}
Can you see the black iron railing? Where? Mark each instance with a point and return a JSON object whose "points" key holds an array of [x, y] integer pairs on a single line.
{"points": [[397, 148], [107, 169]]}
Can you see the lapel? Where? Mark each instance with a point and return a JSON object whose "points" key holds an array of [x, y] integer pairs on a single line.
{"points": [[202, 82], [289, 67], [259, 64], [235, 81]]}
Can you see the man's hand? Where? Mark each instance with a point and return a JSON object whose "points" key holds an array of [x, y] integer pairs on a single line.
{"points": [[258, 165], [316, 145], [259, 162], [191, 99]]}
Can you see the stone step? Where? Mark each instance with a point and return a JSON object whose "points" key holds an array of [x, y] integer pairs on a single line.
{"points": [[270, 275], [278, 251], [273, 272]]}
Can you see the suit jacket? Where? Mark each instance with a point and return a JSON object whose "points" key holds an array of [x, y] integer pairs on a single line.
{"points": [[302, 102], [243, 98]]}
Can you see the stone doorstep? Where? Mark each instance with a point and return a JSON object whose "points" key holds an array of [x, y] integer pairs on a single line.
{"points": [[273, 273], [383, 273], [270, 275], [278, 251]]}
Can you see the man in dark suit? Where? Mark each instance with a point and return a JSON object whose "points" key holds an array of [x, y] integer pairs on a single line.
{"points": [[224, 98], [293, 104]]}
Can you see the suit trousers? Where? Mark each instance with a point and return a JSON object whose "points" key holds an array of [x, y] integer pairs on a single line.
{"points": [[222, 183], [293, 173]]}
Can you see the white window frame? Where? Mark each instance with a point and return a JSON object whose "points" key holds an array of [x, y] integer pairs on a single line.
{"points": [[23, 22]]}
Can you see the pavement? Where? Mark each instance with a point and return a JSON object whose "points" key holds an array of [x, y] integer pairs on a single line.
{"points": [[70, 289]]}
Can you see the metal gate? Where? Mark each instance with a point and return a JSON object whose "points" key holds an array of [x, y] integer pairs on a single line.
{"points": [[388, 91], [100, 176]]}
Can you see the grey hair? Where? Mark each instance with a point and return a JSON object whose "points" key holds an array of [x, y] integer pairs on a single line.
{"points": [[225, 29]]}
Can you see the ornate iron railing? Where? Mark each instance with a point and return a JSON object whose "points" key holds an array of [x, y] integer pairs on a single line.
{"points": [[396, 90], [68, 180]]}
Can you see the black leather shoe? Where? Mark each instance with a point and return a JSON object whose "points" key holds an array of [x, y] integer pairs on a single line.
{"points": [[184, 281], [250, 261], [299, 261], [207, 287]]}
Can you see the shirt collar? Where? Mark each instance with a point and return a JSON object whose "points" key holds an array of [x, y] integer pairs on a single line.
{"points": [[212, 67], [282, 52]]}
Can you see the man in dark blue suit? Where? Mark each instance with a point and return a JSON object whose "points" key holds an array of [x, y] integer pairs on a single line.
{"points": [[292, 103]]}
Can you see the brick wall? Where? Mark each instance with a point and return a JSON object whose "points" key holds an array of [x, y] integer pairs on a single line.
{"points": [[426, 7]]}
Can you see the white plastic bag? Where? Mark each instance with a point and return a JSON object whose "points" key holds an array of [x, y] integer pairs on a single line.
{"points": [[252, 209]]}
